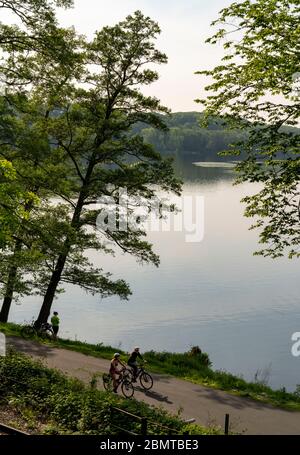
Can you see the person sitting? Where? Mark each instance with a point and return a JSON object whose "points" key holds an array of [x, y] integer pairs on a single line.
{"points": [[114, 370], [132, 361]]}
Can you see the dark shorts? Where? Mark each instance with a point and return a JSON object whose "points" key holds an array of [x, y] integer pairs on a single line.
{"points": [[55, 329]]}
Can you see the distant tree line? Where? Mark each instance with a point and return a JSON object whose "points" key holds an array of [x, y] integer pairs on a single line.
{"points": [[185, 137]]}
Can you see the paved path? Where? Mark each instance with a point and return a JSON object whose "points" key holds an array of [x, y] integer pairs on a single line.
{"points": [[207, 406]]}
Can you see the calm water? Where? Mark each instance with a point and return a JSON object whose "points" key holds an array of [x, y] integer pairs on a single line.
{"points": [[240, 309]]}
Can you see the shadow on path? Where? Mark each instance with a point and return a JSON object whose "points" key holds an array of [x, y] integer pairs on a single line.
{"points": [[154, 395], [237, 402], [32, 348]]}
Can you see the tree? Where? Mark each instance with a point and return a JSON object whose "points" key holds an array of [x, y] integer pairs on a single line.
{"points": [[255, 89], [39, 59], [11, 203], [36, 34], [37, 52], [93, 131], [25, 145]]}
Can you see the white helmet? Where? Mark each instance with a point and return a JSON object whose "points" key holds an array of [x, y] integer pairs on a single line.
{"points": [[137, 348], [117, 354]]}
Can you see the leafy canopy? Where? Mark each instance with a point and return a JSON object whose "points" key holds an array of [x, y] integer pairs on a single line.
{"points": [[255, 89]]}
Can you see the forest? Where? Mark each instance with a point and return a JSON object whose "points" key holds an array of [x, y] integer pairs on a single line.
{"points": [[186, 137]]}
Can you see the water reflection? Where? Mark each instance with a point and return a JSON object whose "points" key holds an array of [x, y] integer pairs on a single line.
{"points": [[189, 172], [241, 309]]}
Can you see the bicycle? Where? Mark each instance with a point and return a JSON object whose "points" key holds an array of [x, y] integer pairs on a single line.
{"points": [[145, 378], [45, 331], [124, 380]]}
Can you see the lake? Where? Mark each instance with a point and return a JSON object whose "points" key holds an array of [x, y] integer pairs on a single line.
{"points": [[241, 309]]}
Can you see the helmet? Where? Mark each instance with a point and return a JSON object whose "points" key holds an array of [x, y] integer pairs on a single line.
{"points": [[116, 354], [137, 348]]}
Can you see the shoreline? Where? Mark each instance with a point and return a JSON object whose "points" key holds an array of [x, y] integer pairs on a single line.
{"points": [[195, 368]]}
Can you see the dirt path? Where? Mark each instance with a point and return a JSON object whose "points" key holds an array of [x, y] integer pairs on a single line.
{"points": [[207, 406]]}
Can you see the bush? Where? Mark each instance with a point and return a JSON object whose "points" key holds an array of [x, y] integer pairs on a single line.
{"points": [[194, 351]]}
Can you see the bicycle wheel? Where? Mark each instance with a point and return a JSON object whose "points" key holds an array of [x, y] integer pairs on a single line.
{"points": [[107, 381], [28, 331], [45, 334], [146, 381], [127, 388]]}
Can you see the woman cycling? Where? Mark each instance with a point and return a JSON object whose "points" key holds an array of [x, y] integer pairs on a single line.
{"points": [[114, 370]]}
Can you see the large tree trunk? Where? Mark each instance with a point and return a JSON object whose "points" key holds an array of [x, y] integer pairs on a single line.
{"points": [[56, 275], [10, 286], [75, 223], [12, 273], [8, 294], [50, 293]]}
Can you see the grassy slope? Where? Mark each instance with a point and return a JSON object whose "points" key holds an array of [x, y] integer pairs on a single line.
{"points": [[192, 368]]}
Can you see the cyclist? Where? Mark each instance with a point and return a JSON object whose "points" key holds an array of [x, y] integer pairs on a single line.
{"points": [[132, 361], [114, 370]]}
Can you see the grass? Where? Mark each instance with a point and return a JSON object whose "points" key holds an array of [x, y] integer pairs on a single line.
{"points": [[96, 350], [191, 366], [191, 369], [44, 401]]}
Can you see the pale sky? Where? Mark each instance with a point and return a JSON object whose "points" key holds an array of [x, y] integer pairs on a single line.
{"points": [[185, 25]]}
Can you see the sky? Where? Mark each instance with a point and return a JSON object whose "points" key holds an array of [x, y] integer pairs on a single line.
{"points": [[185, 24]]}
